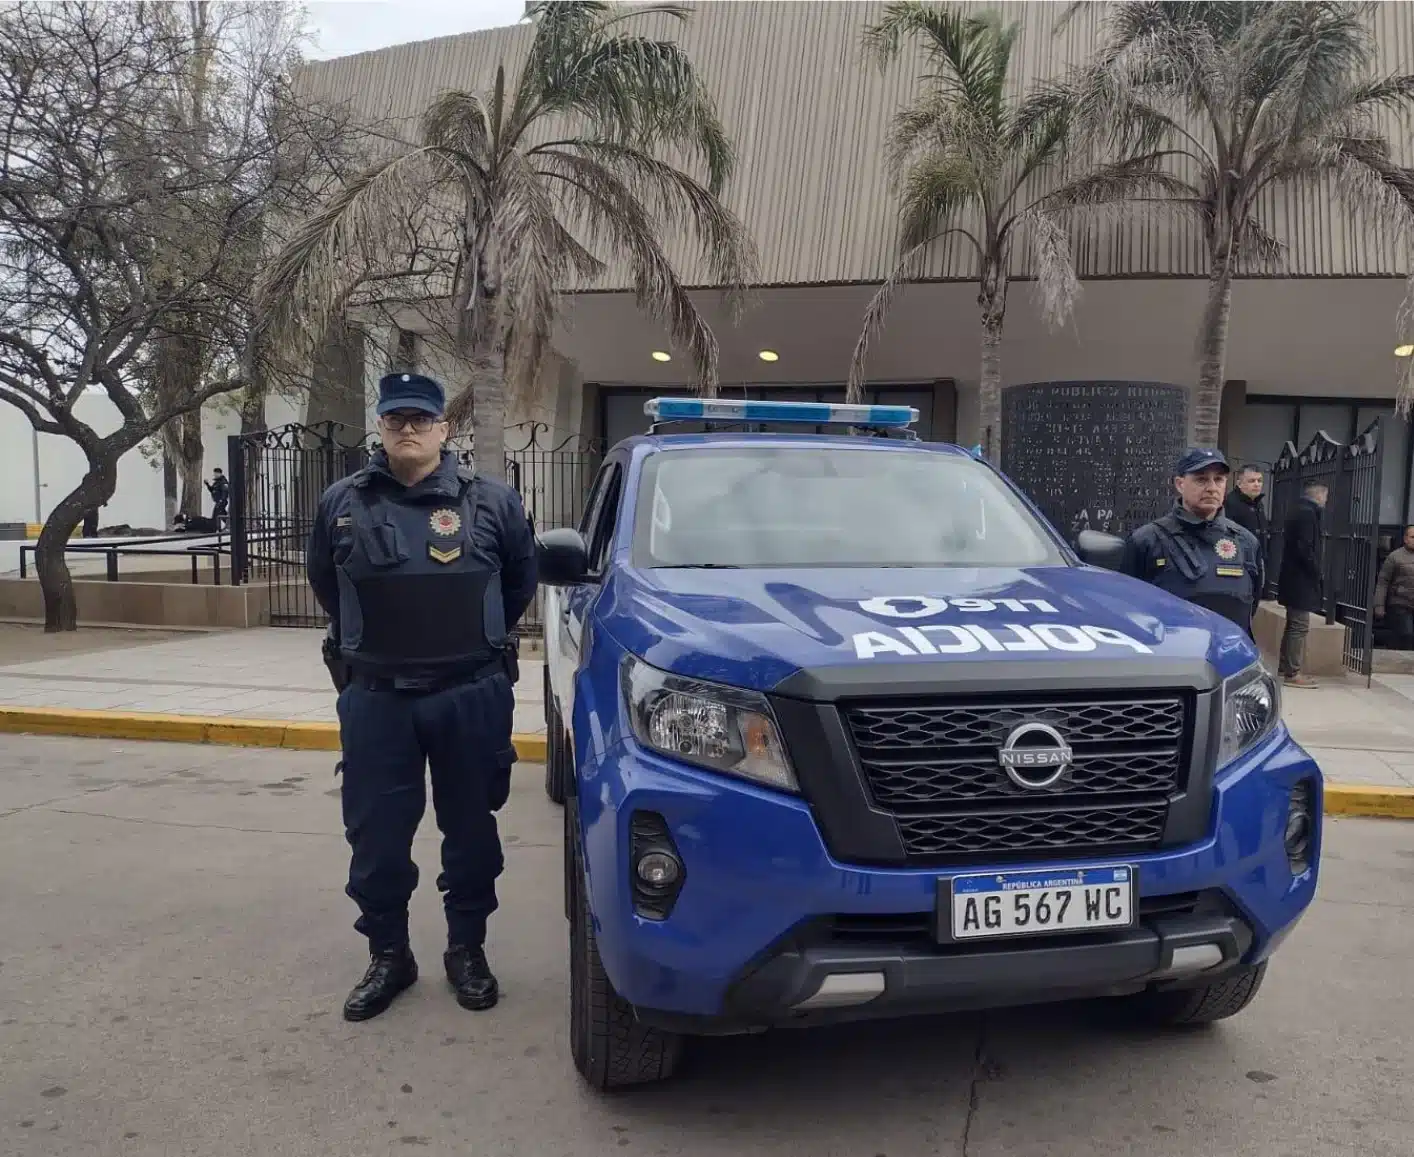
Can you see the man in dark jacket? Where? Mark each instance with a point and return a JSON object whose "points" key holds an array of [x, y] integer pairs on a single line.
{"points": [[1244, 506], [1394, 593], [1300, 581]]}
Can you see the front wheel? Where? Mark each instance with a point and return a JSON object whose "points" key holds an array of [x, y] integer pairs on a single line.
{"points": [[1198, 1006], [611, 1049]]}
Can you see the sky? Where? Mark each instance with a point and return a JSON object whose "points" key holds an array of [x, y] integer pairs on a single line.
{"points": [[343, 27]]}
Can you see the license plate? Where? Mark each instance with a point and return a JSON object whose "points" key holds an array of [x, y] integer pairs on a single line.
{"points": [[1026, 903]]}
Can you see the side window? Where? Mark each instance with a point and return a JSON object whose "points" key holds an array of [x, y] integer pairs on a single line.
{"points": [[606, 519], [595, 499]]}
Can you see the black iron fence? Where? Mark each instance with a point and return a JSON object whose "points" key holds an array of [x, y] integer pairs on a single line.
{"points": [[277, 478], [1350, 528]]}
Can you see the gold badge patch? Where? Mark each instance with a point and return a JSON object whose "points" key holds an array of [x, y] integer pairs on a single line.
{"points": [[445, 522], [444, 556], [1231, 571], [1227, 549]]}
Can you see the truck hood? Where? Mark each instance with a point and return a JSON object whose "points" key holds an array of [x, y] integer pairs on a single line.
{"points": [[756, 627]]}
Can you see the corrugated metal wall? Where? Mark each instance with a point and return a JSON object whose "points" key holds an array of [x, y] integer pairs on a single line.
{"points": [[809, 112]]}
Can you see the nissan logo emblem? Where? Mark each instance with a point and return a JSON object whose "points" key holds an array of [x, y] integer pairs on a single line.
{"points": [[1035, 755]]}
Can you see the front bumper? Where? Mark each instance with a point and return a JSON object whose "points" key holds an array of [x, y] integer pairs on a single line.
{"points": [[766, 914]]}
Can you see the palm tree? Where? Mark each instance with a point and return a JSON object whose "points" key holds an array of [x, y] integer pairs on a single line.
{"points": [[969, 157], [528, 180], [1233, 99]]}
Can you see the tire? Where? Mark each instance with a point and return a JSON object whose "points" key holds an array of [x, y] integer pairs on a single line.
{"points": [[556, 748], [1199, 1006], [611, 1049]]}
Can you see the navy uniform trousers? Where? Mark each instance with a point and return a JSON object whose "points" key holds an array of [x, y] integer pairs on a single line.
{"points": [[389, 737]]}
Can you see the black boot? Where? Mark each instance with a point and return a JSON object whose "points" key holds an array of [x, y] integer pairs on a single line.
{"points": [[470, 976], [389, 973]]}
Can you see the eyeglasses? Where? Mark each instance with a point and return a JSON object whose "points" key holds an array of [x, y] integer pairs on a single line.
{"points": [[420, 423]]}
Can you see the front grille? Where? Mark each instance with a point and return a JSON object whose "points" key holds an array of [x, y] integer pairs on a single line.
{"points": [[934, 765], [1052, 829]]}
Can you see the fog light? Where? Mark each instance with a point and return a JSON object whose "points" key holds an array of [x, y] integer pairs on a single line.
{"points": [[656, 869], [659, 870], [1300, 828]]}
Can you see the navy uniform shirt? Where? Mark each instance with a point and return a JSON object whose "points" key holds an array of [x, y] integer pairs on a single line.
{"points": [[1214, 563], [421, 579]]}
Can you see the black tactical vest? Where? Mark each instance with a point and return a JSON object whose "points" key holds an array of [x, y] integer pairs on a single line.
{"points": [[420, 581], [1205, 563]]}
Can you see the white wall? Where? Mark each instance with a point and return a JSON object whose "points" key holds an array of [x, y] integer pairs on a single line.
{"points": [[137, 501]]}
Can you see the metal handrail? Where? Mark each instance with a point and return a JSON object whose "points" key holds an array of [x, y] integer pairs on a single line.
{"points": [[135, 547]]}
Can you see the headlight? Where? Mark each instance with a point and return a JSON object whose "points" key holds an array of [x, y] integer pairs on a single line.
{"points": [[1251, 709], [722, 728]]}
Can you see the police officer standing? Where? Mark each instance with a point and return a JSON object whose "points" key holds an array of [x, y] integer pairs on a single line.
{"points": [[1195, 551], [424, 571]]}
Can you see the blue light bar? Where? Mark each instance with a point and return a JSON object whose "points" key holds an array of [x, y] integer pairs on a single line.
{"points": [[807, 413]]}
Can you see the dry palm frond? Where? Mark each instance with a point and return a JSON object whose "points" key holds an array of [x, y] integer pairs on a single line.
{"points": [[337, 245], [514, 220]]}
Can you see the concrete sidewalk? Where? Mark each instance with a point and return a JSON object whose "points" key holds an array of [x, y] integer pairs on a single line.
{"points": [[1360, 736], [260, 673]]}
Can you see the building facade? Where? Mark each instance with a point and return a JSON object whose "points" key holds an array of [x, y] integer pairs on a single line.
{"points": [[1311, 349]]}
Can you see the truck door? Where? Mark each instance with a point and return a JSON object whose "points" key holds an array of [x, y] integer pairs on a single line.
{"points": [[573, 605]]}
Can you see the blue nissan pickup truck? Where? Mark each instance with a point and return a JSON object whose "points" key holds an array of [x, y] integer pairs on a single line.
{"points": [[845, 729]]}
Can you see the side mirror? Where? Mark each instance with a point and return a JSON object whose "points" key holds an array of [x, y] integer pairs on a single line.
{"points": [[1100, 549], [561, 556]]}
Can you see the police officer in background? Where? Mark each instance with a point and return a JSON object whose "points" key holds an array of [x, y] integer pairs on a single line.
{"points": [[1195, 551], [424, 571]]}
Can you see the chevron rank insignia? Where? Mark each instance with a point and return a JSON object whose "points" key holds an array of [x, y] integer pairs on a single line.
{"points": [[445, 522], [451, 554]]}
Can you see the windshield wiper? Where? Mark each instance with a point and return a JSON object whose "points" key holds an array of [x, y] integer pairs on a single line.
{"points": [[698, 566]]}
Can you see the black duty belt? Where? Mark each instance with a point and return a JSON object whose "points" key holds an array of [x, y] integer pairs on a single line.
{"points": [[425, 684]]}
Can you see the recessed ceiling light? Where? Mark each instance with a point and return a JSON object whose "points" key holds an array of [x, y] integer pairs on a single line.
{"points": [[662, 356], [769, 356], [1404, 351]]}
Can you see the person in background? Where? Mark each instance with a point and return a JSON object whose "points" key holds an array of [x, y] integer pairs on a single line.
{"points": [[1394, 593], [1301, 579], [1244, 506], [1195, 551], [220, 490]]}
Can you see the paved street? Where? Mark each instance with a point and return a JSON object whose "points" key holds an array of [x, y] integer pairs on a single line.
{"points": [[177, 945], [262, 673]]}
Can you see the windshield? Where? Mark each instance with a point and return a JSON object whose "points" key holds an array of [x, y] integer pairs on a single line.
{"points": [[823, 506]]}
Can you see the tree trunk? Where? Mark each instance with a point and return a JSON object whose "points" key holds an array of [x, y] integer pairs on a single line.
{"points": [[252, 409], [481, 341], [57, 585], [487, 388], [1212, 344], [992, 299], [169, 477], [189, 461]]}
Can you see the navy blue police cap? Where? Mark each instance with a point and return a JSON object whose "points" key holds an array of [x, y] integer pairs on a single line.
{"points": [[411, 392], [1198, 458]]}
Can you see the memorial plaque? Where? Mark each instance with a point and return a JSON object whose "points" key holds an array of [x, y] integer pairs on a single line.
{"points": [[1095, 455]]}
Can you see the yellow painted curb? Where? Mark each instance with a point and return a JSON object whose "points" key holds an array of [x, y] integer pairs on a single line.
{"points": [[1394, 803], [1340, 799], [198, 729]]}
